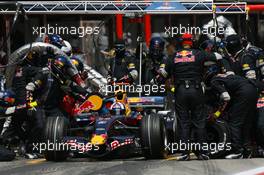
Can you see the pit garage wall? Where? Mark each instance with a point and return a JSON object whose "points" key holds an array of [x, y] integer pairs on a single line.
{"points": [[107, 35], [260, 25], [238, 21], [90, 45], [159, 22]]}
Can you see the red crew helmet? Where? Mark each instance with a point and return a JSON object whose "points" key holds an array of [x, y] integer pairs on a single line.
{"points": [[187, 39]]}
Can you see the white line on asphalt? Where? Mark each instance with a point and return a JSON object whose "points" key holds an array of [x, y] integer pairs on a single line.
{"points": [[252, 171]]}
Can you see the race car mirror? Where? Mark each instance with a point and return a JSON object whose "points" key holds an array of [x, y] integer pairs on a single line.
{"points": [[97, 102]]}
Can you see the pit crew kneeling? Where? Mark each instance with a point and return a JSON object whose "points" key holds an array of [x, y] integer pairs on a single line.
{"points": [[241, 95]]}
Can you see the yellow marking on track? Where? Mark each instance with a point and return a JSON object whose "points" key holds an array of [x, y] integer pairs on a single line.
{"points": [[36, 161], [174, 157]]}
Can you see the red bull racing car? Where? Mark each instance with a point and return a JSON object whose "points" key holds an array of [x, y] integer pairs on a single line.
{"points": [[105, 126]]}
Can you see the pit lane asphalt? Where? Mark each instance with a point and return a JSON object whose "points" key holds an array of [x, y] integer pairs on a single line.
{"points": [[131, 166]]}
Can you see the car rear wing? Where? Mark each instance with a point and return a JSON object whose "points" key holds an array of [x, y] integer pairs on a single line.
{"points": [[147, 102]]}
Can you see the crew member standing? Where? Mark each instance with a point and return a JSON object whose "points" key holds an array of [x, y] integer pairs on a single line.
{"points": [[186, 67]]}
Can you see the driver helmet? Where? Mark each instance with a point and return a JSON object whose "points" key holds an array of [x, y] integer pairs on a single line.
{"points": [[117, 108]]}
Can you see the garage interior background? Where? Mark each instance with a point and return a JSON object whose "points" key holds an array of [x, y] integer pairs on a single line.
{"points": [[91, 45]]}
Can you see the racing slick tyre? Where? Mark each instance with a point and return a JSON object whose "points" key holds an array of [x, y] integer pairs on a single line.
{"points": [[218, 137], [55, 129], [153, 137], [176, 128]]}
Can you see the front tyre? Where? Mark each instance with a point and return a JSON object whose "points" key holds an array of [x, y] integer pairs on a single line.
{"points": [[56, 129], [153, 137], [218, 134]]}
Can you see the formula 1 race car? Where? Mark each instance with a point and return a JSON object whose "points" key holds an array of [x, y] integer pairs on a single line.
{"points": [[104, 125]]}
